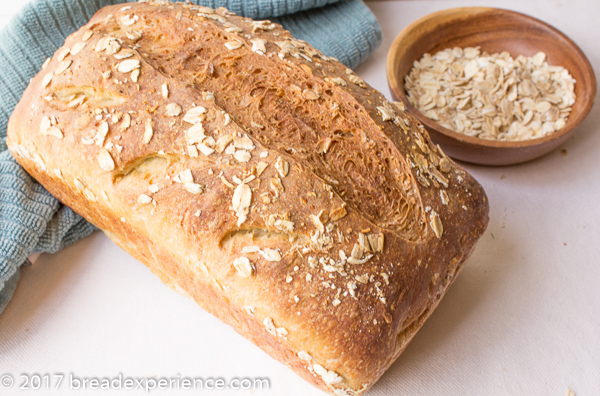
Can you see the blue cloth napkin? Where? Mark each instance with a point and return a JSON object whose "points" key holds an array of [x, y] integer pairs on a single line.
{"points": [[33, 221]]}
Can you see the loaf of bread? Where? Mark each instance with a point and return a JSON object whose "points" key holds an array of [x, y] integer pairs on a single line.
{"points": [[259, 177]]}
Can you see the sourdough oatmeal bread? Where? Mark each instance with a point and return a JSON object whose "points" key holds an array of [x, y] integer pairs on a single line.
{"points": [[263, 179]]}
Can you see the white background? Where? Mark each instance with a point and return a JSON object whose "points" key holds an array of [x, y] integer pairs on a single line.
{"points": [[523, 318]]}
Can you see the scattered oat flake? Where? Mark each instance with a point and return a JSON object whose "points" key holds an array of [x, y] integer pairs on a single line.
{"points": [[242, 155], [445, 165], [102, 132], [78, 184], [259, 45], [339, 81], [106, 162], [173, 110], [436, 224], [232, 45], [317, 223], [376, 241], [128, 65], [128, 20], [276, 185], [270, 326], [355, 261], [53, 131], [304, 356], [47, 79], [251, 249], [282, 166], [231, 28], [244, 267], [64, 65], [222, 142], [77, 48], [243, 142], [284, 225], [102, 44], [90, 195], [63, 54], [226, 182], [195, 134], [242, 196], [144, 199], [444, 197], [204, 149], [76, 102], [209, 96], [338, 213], [282, 332], [310, 94], [260, 167], [357, 80], [124, 54], [329, 377], [192, 151], [186, 176], [148, 131], [332, 378], [193, 188], [45, 124], [195, 115], [270, 254], [387, 113], [126, 121]]}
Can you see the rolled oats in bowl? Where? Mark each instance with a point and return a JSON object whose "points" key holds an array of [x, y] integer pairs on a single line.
{"points": [[491, 96]]}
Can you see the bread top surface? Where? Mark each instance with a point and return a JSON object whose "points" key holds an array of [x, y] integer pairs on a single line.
{"points": [[299, 191]]}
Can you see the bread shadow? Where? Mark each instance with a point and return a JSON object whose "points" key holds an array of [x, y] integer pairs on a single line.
{"points": [[36, 291], [484, 272]]}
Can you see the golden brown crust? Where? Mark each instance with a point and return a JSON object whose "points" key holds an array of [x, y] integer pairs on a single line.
{"points": [[263, 179]]}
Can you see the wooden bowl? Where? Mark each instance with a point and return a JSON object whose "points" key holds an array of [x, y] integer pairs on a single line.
{"points": [[494, 30]]}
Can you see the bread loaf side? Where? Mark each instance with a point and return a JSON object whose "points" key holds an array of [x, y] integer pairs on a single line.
{"points": [[263, 179]]}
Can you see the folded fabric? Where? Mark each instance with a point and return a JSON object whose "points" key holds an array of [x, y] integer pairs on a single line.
{"points": [[31, 220]]}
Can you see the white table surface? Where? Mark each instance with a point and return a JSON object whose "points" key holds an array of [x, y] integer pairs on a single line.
{"points": [[523, 318]]}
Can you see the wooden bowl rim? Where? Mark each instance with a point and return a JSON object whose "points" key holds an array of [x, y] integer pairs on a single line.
{"points": [[393, 80]]}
